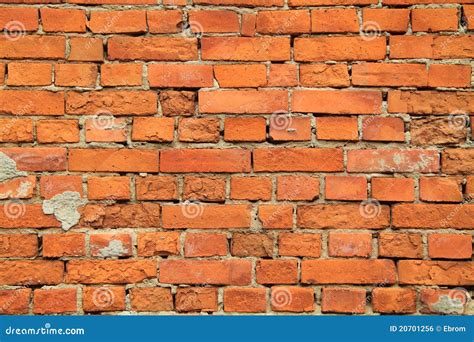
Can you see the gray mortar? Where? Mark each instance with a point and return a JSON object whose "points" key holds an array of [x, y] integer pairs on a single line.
{"points": [[64, 208], [8, 168], [448, 305]]}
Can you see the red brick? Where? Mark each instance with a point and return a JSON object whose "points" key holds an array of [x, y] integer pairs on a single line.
{"points": [[225, 272], [277, 272], [282, 75], [400, 245], [432, 216], [27, 16], [245, 300], [283, 22], [339, 49], [299, 244], [164, 21], [31, 272], [457, 161], [152, 48], [350, 271], [245, 48], [278, 216], [347, 216], [61, 245], [119, 102], [29, 74], [206, 189], [151, 299], [334, 20], [106, 128], [123, 74], [103, 299], [31, 102], [153, 129], [180, 75], [440, 189], [18, 245], [128, 21], [156, 188], [51, 186], [346, 188], [139, 215], [444, 301], [383, 129], [329, 128], [205, 160], [21, 187], [37, 159], [384, 160], [196, 299], [75, 75], [240, 75], [386, 19], [434, 19], [350, 244], [15, 302], [110, 245], [251, 188], [324, 75], [297, 159], [158, 243], [297, 188], [113, 160], [449, 246], [343, 300], [205, 245], [448, 75], [292, 299], [249, 24], [393, 189], [63, 20], [244, 245], [337, 102], [199, 129], [16, 130], [288, 128], [110, 271], [177, 102], [52, 47], [86, 49], [390, 74], [18, 215], [394, 300], [49, 301], [243, 101], [57, 131], [197, 215], [216, 21], [244, 129], [427, 272], [252, 3]]}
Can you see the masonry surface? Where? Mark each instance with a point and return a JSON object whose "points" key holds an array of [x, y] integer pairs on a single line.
{"points": [[236, 156]]}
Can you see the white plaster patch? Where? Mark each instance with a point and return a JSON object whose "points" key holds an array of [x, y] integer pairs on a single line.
{"points": [[64, 208], [114, 249], [8, 168]]}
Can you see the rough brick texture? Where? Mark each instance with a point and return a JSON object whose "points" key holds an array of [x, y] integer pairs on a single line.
{"points": [[236, 157]]}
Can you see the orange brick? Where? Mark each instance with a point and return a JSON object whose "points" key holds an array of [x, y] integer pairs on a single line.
{"points": [[100, 188], [244, 129], [206, 189], [110, 245], [164, 21], [241, 75], [299, 244], [61, 245], [448, 75], [334, 20], [56, 184], [128, 21], [16, 130], [289, 128], [282, 75], [49, 301], [216, 21], [434, 19], [276, 216], [328, 128], [277, 272], [75, 75], [450, 246], [297, 188], [153, 129], [27, 16], [385, 19], [283, 22], [343, 300], [205, 245], [383, 129], [400, 245], [104, 298], [33, 74], [324, 75], [350, 244], [86, 49], [346, 188], [63, 20], [251, 188], [156, 188], [292, 299], [124, 74], [199, 129], [393, 189], [158, 243], [151, 299], [244, 245], [244, 300], [440, 189], [57, 131], [180, 75], [106, 128]]}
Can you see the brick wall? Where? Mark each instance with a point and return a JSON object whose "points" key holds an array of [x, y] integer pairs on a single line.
{"points": [[236, 156]]}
